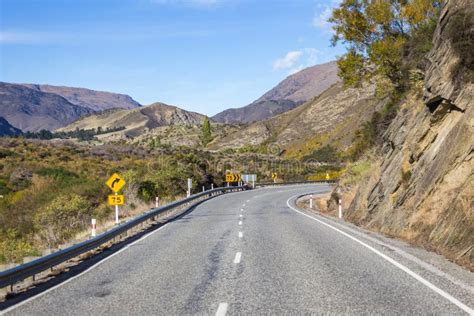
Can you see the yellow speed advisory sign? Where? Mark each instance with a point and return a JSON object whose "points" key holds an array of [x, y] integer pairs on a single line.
{"points": [[116, 199], [115, 182], [233, 177]]}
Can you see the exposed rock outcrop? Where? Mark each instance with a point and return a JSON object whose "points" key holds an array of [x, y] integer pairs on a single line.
{"points": [[422, 187]]}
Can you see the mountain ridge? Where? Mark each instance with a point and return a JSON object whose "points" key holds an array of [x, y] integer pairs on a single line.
{"points": [[291, 92]]}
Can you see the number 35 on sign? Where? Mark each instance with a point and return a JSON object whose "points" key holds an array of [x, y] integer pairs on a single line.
{"points": [[116, 199]]}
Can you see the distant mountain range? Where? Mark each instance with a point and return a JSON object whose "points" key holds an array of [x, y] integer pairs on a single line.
{"points": [[138, 121], [288, 94], [34, 107]]}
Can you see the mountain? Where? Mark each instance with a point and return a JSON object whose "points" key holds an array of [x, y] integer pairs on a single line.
{"points": [[288, 94], [32, 110], [329, 119], [138, 121], [6, 129], [94, 100]]}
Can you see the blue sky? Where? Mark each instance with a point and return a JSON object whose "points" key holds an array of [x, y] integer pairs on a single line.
{"points": [[201, 55]]}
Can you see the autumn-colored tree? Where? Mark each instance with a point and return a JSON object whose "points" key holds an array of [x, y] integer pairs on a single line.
{"points": [[375, 32]]}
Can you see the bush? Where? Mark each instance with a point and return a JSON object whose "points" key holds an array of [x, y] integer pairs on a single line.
{"points": [[59, 221]]}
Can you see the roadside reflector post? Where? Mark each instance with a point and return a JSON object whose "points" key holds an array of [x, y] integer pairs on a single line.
{"points": [[203, 189], [157, 202], [311, 201], [93, 227], [116, 212], [212, 186], [190, 186], [340, 208]]}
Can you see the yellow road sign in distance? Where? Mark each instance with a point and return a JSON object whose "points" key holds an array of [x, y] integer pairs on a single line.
{"points": [[115, 182], [233, 177], [274, 175], [116, 199]]}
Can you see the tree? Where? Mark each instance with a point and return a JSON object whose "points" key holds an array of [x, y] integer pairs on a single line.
{"points": [[375, 32], [206, 135]]}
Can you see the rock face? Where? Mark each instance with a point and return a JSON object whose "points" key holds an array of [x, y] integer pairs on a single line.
{"points": [[138, 121], [33, 110], [422, 187], [288, 94], [6, 129], [91, 99]]}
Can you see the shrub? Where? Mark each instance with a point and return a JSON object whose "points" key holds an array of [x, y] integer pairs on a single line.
{"points": [[62, 219]]}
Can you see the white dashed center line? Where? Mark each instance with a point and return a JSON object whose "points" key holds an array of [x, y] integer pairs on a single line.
{"points": [[241, 234], [241, 209], [240, 222], [241, 215], [237, 258], [222, 309]]}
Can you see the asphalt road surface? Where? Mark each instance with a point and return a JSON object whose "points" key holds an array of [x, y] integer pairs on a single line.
{"points": [[253, 253]]}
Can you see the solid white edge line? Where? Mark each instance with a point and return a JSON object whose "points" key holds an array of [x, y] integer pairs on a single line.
{"points": [[222, 309], [11, 308], [417, 277], [238, 256]]}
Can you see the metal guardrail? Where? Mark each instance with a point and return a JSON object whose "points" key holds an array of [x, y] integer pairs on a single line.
{"points": [[23, 271], [295, 182]]}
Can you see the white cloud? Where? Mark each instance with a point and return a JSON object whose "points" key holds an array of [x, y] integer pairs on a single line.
{"points": [[297, 60], [324, 12], [290, 59]]}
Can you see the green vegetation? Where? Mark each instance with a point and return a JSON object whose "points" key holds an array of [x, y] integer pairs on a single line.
{"points": [[206, 135], [51, 190], [81, 134], [324, 154], [378, 34]]}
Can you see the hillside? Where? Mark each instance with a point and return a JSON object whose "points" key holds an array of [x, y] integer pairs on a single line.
{"points": [[420, 185], [32, 110], [94, 100], [332, 118], [288, 94], [6, 129], [138, 121]]}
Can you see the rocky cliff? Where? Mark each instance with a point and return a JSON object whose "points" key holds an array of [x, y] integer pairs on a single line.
{"points": [[421, 187]]}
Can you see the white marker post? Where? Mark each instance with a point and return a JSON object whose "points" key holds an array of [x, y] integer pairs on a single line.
{"points": [[311, 201], [157, 202], [203, 189], [93, 227], [116, 212], [340, 208], [190, 185], [212, 186]]}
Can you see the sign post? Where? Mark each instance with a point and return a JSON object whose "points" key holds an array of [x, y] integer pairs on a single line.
{"points": [[116, 183]]}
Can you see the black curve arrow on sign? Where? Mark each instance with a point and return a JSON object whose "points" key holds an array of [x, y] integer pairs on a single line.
{"points": [[116, 180]]}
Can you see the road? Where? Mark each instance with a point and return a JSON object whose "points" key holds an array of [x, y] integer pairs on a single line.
{"points": [[254, 253]]}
